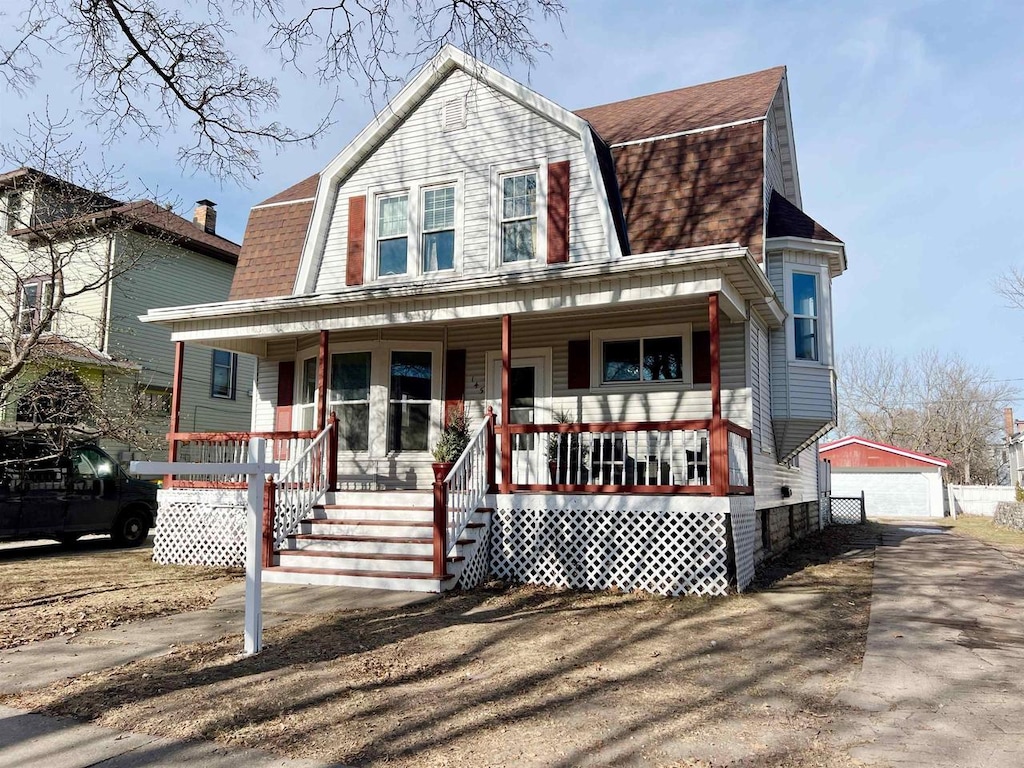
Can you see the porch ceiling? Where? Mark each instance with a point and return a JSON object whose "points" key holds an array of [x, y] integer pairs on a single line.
{"points": [[646, 279]]}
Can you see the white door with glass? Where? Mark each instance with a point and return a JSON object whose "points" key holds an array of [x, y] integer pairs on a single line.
{"points": [[530, 387]]}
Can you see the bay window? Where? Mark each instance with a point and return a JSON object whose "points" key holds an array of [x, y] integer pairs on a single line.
{"points": [[805, 316]]}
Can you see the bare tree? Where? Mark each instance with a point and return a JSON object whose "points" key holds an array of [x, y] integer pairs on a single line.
{"points": [[1011, 287], [145, 67], [932, 403], [57, 260]]}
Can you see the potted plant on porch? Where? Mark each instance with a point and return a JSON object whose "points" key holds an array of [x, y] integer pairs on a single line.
{"points": [[451, 444], [567, 455]]}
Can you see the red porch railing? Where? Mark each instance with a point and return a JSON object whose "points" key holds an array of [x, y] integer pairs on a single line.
{"points": [[231, 447], [670, 457]]}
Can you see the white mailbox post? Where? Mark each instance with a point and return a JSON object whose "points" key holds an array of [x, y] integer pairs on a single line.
{"points": [[255, 470]]}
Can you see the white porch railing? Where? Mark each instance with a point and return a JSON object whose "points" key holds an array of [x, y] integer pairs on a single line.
{"points": [[304, 483], [468, 482]]}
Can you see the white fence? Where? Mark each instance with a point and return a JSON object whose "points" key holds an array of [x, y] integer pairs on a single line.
{"points": [[977, 499]]}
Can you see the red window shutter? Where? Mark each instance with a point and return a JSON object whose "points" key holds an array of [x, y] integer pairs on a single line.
{"points": [[454, 381], [356, 240], [558, 212], [283, 411], [702, 357], [579, 364]]}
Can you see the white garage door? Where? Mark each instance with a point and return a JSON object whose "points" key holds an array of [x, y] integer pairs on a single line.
{"points": [[886, 494]]}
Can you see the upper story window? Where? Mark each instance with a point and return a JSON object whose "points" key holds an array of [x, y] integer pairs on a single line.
{"points": [[13, 211], [392, 234], [805, 316], [224, 374], [519, 217], [439, 229], [36, 296]]}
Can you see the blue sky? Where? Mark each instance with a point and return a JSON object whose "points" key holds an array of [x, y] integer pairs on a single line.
{"points": [[908, 120]]}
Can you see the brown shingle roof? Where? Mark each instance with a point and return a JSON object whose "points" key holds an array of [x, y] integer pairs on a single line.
{"points": [[786, 220], [271, 249], [693, 190], [685, 109], [687, 191]]}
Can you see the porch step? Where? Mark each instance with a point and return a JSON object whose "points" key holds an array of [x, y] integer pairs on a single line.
{"points": [[357, 527], [353, 543], [348, 577], [358, 561], [380, 499]]}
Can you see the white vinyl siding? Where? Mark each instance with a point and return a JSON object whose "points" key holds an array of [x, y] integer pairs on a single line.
{"points": [[499, 134], [773, 173], [761, 387]]}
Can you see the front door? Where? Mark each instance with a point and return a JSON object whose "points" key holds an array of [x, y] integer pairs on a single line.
{"points": [[530, 396]]}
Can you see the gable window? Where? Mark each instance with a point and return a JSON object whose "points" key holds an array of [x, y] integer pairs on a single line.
{"points": [[392, 234], [439, 229], [519, 217], [805, 316], [36, 296], [223, 374], [350, 398]]}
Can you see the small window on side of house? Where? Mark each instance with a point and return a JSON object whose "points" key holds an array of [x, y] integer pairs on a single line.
{"points": [[805, 316], [224, 374]]}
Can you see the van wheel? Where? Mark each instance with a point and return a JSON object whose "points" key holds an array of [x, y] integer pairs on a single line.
{"points": [[131, 528]]}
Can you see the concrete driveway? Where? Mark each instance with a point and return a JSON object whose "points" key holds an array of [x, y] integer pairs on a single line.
{"points": [[942, 683]]}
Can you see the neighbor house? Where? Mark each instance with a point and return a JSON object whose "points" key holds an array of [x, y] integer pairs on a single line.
{"points": [[94, 364], [627, 301]]}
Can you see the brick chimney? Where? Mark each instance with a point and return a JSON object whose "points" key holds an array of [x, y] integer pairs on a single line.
{"points": [[205, 216], [1008, 423]]}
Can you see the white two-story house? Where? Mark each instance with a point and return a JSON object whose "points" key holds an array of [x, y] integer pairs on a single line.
{"points": [[627, 301]]}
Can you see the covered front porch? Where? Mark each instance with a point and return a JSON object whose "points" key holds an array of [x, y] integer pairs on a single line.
{"points": [[620, 392]]}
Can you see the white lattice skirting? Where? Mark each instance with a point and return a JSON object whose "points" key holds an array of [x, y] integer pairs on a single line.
{"points": [[640, 543], [200, 527], [478, 567], [744, 537]]}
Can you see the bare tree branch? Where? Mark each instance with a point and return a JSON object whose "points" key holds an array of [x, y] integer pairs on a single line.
{"points": [[146, 68]]}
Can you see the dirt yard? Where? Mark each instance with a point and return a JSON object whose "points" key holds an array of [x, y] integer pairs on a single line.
{"points": [[523, 676], [46, 591], [983, 529]]}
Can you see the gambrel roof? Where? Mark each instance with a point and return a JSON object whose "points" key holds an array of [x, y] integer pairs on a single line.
{"points": [[686, 171]]}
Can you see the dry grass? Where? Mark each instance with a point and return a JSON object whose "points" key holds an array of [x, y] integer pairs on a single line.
{"points": [[46, 591], [983, 529], [522, 676]]}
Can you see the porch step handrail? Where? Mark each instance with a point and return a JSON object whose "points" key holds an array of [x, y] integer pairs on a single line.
{"points": [[308, 478], [468, 482]]}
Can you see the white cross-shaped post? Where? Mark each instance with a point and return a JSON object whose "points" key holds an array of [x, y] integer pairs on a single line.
{"points": [[255, 470]]}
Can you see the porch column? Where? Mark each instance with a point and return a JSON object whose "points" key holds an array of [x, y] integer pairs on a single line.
{"points": [[172, 444], [719, 442], [321, 382], [506, 403]]}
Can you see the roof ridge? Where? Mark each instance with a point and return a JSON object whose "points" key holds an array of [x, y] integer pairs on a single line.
{"points": [[781, 68]]}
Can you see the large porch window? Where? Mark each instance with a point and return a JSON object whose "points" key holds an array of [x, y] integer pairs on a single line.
{"points": [[409, 401], [350, 399]]}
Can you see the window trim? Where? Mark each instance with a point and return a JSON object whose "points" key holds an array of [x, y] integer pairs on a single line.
{"points": [[414, 212], [233, 370], [423, 231], [40, 282], [824, 298], [333, 404], [640, 332], [499, 172], [377, 239]]}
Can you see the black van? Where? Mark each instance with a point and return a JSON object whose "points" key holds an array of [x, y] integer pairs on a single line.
{"points": [[47, 493]]}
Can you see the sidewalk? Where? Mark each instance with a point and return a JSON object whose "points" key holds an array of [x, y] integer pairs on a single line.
{"points": [[941, 683], [38, 741]]}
